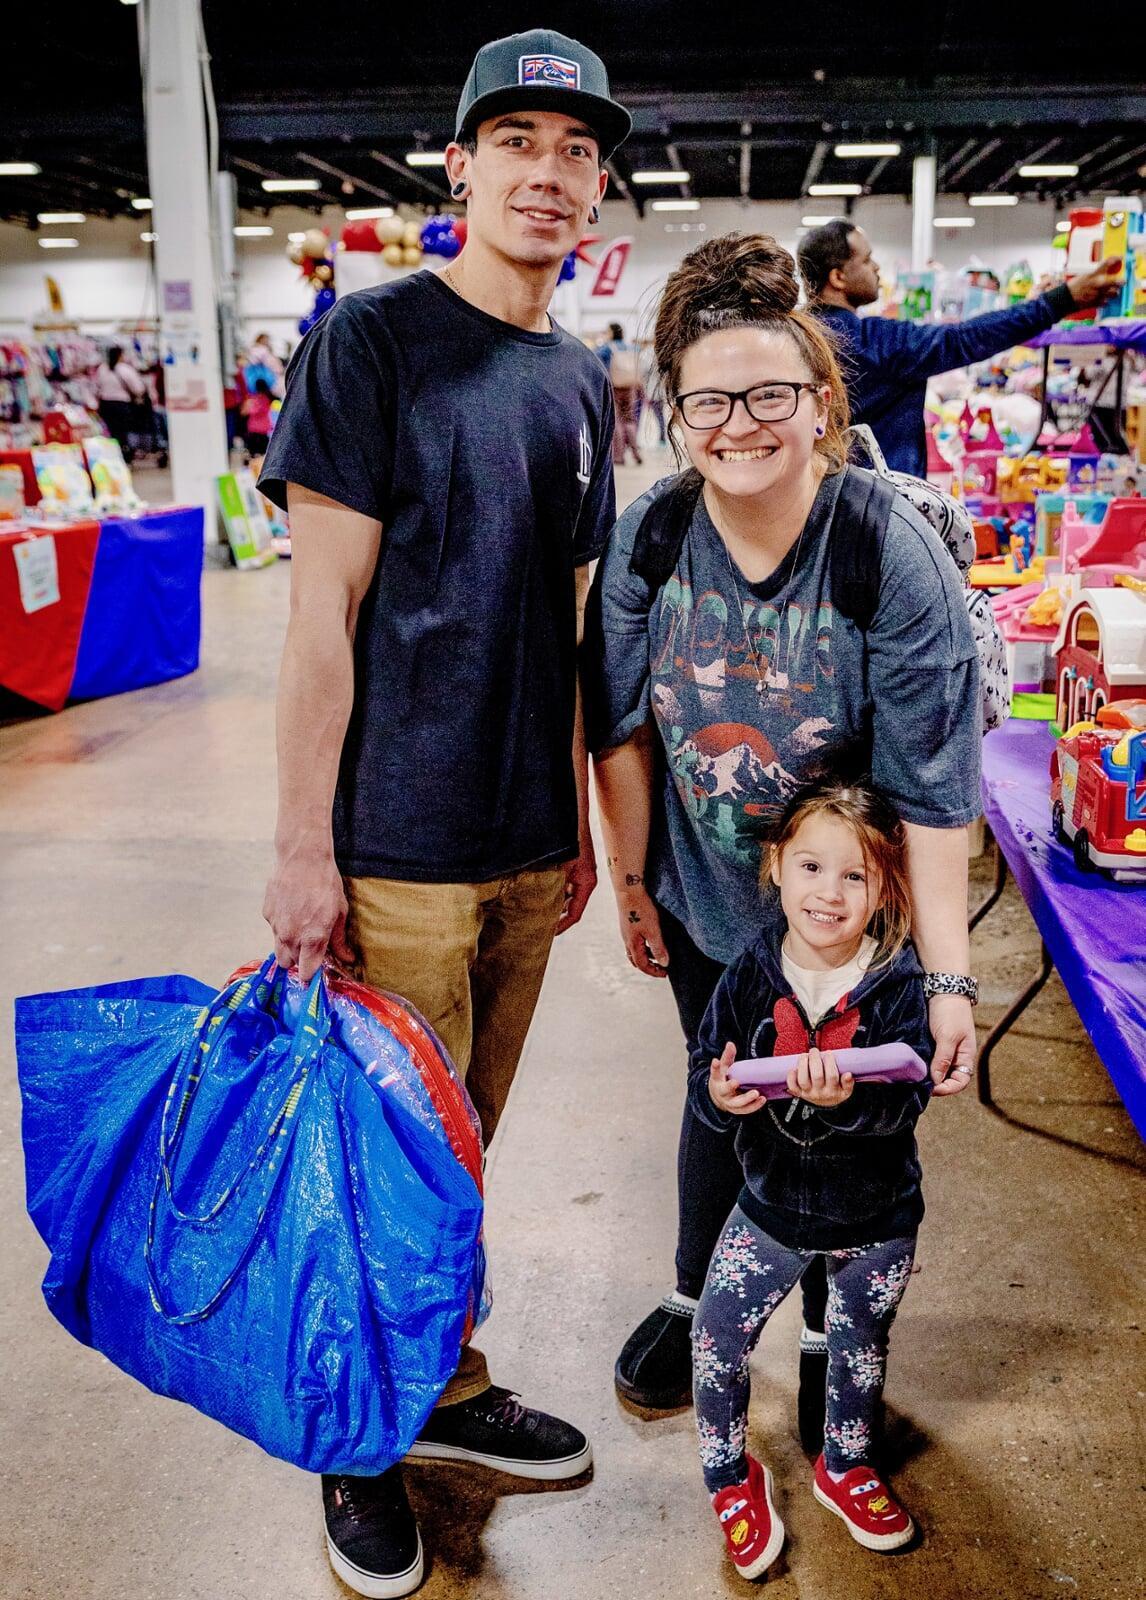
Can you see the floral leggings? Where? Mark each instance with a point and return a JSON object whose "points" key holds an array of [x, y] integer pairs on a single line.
{"points": [[750, 1274]]}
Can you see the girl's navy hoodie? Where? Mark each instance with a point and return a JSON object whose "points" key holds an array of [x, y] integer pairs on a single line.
{"points": [[821, 1178]]}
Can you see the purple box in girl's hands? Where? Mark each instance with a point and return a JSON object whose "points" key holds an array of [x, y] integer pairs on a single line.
{"points": [[881, 1063]]}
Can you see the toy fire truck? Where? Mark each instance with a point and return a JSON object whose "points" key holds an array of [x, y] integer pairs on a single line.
{"points": [[1098, 791]]}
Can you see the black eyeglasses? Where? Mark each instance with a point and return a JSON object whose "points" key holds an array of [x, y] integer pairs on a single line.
{"points": [[705, 409]]}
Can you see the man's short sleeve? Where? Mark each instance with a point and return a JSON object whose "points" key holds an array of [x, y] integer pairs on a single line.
{"points": [[599, 507], [615, 652], [335, 432], [923, 680]]}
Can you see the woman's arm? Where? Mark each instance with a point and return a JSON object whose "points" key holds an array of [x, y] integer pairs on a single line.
{"points": [[624, 776], [937, 874]]}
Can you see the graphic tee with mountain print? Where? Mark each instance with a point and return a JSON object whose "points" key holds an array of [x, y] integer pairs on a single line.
{"points": [[755, 689]]}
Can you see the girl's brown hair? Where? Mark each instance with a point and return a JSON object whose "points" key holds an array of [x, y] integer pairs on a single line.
{"points": [[747, 281], [882, 838]]}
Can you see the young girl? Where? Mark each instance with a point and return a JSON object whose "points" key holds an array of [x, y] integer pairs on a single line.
{"points": [[833, 1171]]}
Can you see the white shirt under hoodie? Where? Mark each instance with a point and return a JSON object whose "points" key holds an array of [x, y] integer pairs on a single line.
{"points": [[819, 992]]}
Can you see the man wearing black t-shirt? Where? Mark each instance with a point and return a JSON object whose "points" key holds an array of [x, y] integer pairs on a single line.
{"points": [[433, 815]]}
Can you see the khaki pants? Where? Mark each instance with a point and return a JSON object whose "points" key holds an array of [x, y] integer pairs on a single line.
{"points": [[470, 957]]}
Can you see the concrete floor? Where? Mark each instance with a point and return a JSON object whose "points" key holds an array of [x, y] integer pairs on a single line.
{"points": [[135, 836]]}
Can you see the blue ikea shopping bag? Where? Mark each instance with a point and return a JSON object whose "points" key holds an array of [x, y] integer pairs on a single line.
{"points": [[239, 1219]]}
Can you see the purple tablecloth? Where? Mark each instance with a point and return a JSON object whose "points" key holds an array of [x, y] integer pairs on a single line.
{"points": [[1095, 929], [1115, 335]]}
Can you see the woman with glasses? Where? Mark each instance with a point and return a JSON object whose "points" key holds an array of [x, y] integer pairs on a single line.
{"points": [[718, 692]]}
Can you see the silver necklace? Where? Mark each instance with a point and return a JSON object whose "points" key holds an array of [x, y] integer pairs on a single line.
{"points": [[754, 654]]}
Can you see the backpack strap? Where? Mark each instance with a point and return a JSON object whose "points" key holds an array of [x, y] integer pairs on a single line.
{"points": [[661, 535], [859, 523]]}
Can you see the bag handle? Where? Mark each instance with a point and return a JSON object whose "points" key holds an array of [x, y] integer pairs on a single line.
{"points": [[860, 434], [311, 1030]]}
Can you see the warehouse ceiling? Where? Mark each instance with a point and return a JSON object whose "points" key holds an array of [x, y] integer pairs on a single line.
{"points": [[751, 101]]}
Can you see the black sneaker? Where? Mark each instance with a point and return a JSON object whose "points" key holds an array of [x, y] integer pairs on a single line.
{"points": [[371, 1536], [495, 1430], [812, 1397], [654, 1370]]}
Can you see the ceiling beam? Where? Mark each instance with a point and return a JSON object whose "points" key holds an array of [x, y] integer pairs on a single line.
{"points": [[304, 198], [876, 173], [617, 179], [1024, 161], [961, 154], [390, 113], [745, 161], [345, 177], [981, 154], [411, 174], [812, 170], [1119, 162]]}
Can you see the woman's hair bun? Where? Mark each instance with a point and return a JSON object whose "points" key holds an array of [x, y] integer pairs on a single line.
{"points": [[744, 271]]}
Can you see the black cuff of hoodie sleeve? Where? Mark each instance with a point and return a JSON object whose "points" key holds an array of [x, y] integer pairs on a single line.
{"points": [[1060, 301]]}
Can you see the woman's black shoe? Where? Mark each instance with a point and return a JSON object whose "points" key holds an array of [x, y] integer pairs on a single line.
{"points": [[654, 1370]]}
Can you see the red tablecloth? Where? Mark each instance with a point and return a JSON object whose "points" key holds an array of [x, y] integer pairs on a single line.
{"points": [[38, 651], [23, 460]]}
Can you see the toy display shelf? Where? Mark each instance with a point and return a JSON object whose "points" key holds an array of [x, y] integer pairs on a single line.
{"points": [[1116, 337]]}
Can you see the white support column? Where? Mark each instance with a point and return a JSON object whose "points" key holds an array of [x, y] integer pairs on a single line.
{"points": [[922, 211], [183, 217]]}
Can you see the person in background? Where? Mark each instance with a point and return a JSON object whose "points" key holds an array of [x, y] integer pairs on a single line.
{"points": [[261, 354], [259, 418], [119, 391], [886, 364], [621, 359]]}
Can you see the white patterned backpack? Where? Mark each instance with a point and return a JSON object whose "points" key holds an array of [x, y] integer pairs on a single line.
{"points": [[952, 523]]}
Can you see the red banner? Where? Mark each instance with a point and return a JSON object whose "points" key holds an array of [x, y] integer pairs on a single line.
{"points": [[610, 268]]}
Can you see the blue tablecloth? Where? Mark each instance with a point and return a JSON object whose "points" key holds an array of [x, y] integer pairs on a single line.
{"points": [[1094, 929], [143, 618]]}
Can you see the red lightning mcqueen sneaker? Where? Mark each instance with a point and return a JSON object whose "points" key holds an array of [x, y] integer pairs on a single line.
{"points": [[752, 1530], [873, 1515]]}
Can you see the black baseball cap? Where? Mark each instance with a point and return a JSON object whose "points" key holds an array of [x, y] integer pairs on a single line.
{"points": [[542, 71]]}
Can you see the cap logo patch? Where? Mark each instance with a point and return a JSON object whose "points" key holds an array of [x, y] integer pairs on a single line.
{"points": [[553, 70]]}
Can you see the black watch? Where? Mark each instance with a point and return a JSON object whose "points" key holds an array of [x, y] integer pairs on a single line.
{"points": [[935, 983]]}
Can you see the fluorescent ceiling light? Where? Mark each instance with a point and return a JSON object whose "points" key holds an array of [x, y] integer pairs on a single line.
{"points": [[954, 222], [148, 238], [993, 200], [846, 151], [19, 169], [1048, 172], [58, 244], [835, 188], [129, 2], [662, 175], [815, 222], [676, 205], [295, 238], [425, 158], [249, 232], [290, 185], [141, 203], [366, 214], [50, 217]]}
